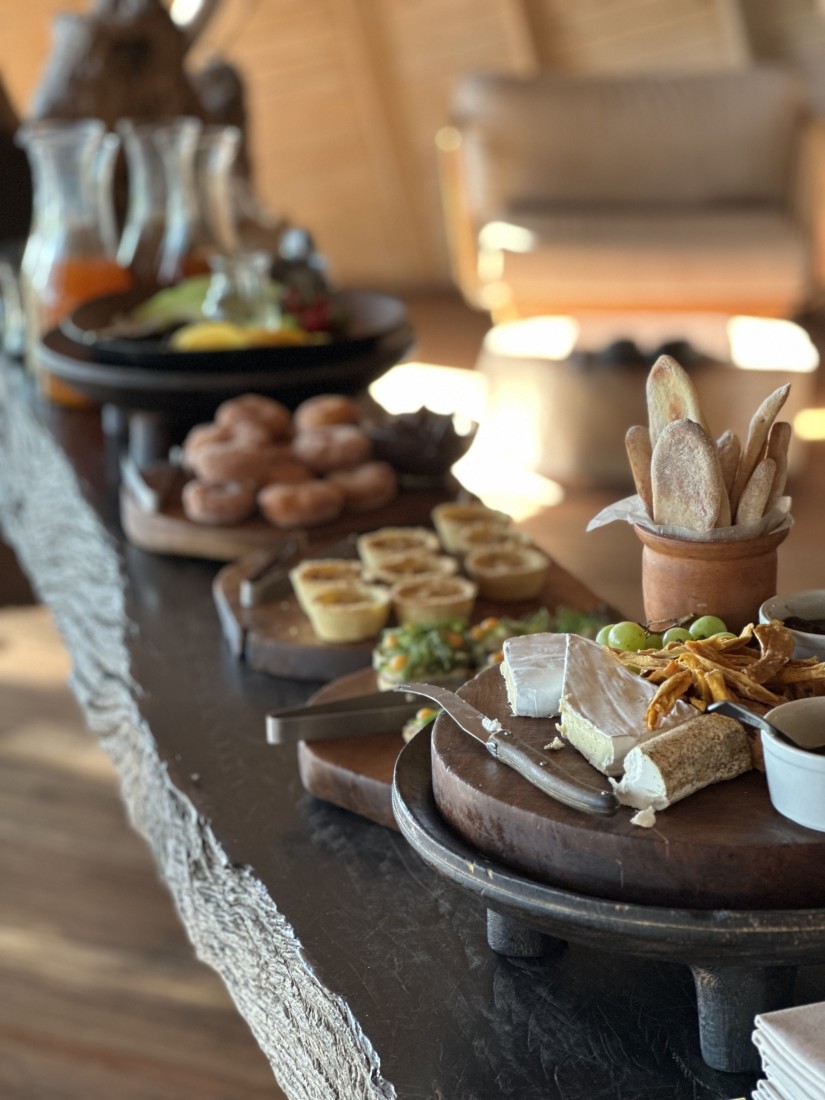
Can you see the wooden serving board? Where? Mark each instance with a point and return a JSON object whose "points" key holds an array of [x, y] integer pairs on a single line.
{"points": [[352, 772], [167, 530], [723, 847], [277, 637]]}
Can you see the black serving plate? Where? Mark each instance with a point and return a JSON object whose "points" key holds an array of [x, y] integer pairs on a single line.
{"points": [[368, 320], [283, 373], [743, 962]]}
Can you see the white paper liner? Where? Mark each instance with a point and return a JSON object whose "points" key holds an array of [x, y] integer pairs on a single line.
{"points": [[632, 510]]}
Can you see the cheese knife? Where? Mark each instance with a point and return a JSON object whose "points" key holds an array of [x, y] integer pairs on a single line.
{"points": [[536, 766]]}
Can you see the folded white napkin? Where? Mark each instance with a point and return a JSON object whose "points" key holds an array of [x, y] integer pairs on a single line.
{"points": [[765, 1091], [791, 1044]]}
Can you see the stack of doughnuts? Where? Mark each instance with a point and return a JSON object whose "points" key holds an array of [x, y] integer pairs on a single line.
{"points": [[295, 469]]}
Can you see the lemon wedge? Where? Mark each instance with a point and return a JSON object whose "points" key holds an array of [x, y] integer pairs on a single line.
{"points": [[209, 336]]}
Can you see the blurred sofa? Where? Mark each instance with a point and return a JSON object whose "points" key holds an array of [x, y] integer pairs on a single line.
{"points": [[566, 193]]}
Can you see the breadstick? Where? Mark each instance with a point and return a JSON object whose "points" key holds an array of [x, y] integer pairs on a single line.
{"points": [[756, 493], [779, 441], [671, 395], [639, 451], [758, 429]]}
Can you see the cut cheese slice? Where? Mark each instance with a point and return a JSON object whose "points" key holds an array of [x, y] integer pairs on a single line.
{"points": [[603, 705], [707, 749], [533, 671]]}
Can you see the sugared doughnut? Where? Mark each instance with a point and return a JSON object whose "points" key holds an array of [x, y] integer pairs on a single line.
{"points": [[262, 410], [287, 471], [301, 505], [332, 447], [369, 485], [325, 408], [253, 431], [203, 434], [232, 460], [217, 504]]}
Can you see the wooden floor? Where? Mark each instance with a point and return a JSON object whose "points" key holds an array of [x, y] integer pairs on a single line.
{"points": [[100, 995]]}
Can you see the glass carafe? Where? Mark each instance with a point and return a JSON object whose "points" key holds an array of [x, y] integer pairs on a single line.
{"points": [[215, 159], [185, 248], [143, 230], [69, 256]]}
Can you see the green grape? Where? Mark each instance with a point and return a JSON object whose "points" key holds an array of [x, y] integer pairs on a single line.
{"points": [[676, 634], [602, 636], [707, 625], [653, 641], [627, 635]]}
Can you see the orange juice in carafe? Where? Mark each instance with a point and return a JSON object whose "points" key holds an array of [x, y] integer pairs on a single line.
{"points": [[70, 252]]}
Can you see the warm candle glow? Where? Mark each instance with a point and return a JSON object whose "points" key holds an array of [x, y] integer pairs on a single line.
{"points": [[446, 390], [534, 338], [809, 424], [763, 343], [499, 481]]}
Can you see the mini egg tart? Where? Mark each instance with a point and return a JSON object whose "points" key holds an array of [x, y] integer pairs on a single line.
{"points": [[348, 611], [412, 564], [508, 572], [373, 546], [486, 535], [433, 599], [308, 576], [451, 520]]}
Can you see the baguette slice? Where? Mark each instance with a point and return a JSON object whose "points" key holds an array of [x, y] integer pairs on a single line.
{"points": [[707, 749], [757, 492], [686, 477], [671, 395], [779, 442], [729, 448], [639, 453]]}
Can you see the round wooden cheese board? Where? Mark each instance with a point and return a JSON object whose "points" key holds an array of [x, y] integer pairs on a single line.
{"points": [[724, 846]]}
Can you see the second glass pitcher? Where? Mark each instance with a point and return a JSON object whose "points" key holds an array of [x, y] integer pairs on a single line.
{"points": [[69, 256]]}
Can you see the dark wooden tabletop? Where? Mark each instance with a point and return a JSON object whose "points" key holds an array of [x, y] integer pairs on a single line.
{"points": [[361, 972]]}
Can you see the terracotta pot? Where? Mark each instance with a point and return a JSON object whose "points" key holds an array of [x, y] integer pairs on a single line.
{"points": [[692, 577]]}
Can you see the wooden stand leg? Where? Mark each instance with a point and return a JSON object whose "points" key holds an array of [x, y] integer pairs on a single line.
{"points": [[729, 997], [149, 437], [507, 936]]}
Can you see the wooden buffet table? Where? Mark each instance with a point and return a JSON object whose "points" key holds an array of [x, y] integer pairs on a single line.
{"points": [[361, 972]]}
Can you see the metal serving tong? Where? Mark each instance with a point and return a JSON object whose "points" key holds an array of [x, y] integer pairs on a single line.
{"points": [[271, 580], [378, 712]]}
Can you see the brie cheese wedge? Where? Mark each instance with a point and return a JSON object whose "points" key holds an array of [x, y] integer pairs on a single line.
{"points": [[533, 671], [603, 705], [709, 748]]}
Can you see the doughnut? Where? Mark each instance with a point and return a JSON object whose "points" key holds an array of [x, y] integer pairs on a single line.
{"points": [[301, 505], [367, 486], [332, 447], [201, 435], [252, 431], [232, 460], [262, 410], [323, 409], [287, 471], [217, 504]]}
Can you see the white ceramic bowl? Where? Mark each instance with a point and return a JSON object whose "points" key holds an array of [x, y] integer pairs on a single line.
{"points": [[796, 778], [809, 604]]}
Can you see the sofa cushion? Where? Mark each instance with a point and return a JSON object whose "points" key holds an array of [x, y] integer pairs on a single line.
{"points": [[694, 138], [668, 258]]}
